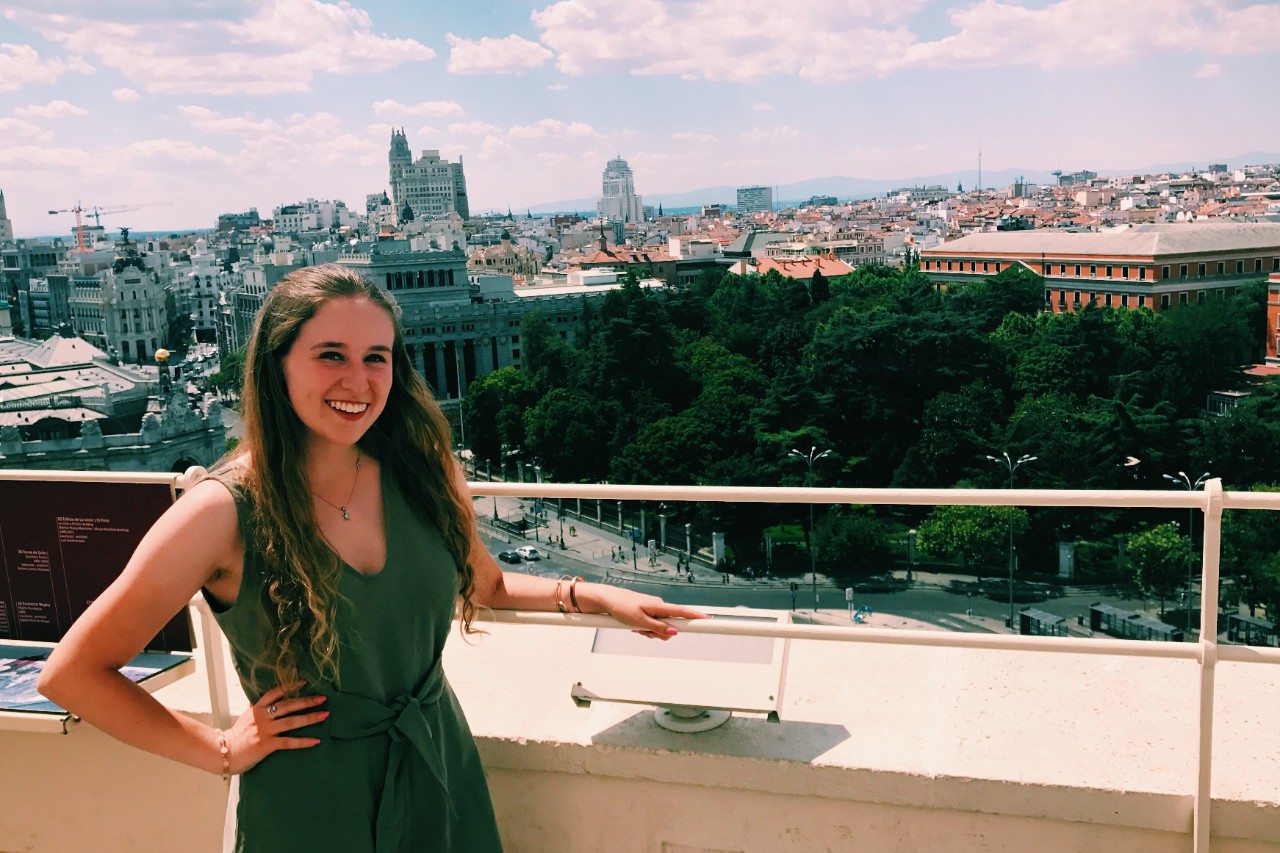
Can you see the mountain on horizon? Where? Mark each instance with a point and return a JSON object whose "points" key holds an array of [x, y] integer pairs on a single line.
{"points": [[860, 188]]}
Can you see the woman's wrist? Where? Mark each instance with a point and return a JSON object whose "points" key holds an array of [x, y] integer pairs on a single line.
{"points": [[591, 597], [223, 761]]}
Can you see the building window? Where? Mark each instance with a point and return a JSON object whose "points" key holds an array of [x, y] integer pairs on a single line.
{"points": [[1142, 273], [948, 266], [1109, 268], [1062, 299], [1107, 299], [1200, 297], [1200, 270], [1124, 272], [1182, 270], [1142, 302], [985, 266], [1164, 272], [972, 264], [1222, 268], [1077, 269], [1257, 265], [1124, 300], [1239, 267], [515, 353]]}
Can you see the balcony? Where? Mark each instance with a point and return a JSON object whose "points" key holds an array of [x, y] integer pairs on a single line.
{"points": [[889, 740]]}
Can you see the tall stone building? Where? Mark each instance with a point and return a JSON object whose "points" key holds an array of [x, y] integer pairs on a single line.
{"points": [[6, 227], [618, 200], [427, 187]]}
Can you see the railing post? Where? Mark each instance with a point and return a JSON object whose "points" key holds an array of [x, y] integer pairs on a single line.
{"points": [[1210, 561]]}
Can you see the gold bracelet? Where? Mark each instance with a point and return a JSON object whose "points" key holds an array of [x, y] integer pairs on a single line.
{"points": [[573, 593], [226, 755], [560, 596]]}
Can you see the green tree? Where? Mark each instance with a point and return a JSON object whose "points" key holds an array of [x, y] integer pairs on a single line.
{"points": [[1159, 558], [977, 535], [494, 407], [229, 378], [568, 432], [852, 540]]}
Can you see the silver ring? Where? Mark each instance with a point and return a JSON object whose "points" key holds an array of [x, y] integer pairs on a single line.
{"points": [[271, 710]]}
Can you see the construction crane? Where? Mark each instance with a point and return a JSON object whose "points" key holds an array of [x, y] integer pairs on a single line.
{"points": [[97, 213]]}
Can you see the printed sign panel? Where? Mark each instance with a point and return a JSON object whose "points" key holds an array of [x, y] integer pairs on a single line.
{"points": [[62, 543]]}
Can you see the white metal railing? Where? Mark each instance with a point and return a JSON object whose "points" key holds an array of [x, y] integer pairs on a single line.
{"points": [[1207, 652]]}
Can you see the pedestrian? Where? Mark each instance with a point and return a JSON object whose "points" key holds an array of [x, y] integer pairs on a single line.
{"points": [[726, 578], [333, 544]]}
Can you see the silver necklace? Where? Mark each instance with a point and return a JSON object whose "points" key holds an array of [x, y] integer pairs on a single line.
{"points": [[346, 515]]}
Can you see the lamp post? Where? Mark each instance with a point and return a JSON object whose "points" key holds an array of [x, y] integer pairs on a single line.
{"points": [[1183, 480], [688, 541], [809, 458], [1012, 466], [662, 526]]}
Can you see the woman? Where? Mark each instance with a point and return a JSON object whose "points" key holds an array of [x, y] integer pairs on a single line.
{"points": [[332, 545]]}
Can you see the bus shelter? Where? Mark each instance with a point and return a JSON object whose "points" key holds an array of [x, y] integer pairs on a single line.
{"points": [[1039, 623]]}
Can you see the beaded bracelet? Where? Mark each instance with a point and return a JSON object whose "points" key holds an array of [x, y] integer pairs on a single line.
{"points": [[226, 755]]}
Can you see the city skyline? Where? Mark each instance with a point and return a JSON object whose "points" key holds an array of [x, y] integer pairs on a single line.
{"points": [[221, 106]]}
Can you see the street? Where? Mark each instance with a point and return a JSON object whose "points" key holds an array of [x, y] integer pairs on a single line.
{"points": [[589, 554]]}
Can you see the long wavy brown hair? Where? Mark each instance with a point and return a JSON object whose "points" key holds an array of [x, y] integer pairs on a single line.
{"points": [[412, 436]]}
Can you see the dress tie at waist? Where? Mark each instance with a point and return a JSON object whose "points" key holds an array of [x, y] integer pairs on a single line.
{"points": [[353, 717]]}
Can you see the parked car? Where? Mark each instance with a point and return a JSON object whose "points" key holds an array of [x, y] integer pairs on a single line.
{"points": [[529, 552], [509, 557]]}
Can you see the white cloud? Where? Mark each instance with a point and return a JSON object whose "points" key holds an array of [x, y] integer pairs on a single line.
{"points": [[758, 135], [53, 109], [36, 158], [508, 55], [234, 48], [162, 154], [209, 121], [16, 128], [428, 130], [553, 128], [735, 40], [20, 65], [477, 128], [688, 136], [761, 106], [125, 96], [557, 87], [1209, 69], [434, 109]]}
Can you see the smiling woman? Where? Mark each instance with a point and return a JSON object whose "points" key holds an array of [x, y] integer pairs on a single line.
{"points": [[334, 545]]}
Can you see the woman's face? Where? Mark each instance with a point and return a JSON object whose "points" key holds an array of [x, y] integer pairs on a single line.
{"points": [[338, 371]]}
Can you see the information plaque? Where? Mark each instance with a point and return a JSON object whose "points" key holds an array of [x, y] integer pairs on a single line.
{"points": [[62, 543]]}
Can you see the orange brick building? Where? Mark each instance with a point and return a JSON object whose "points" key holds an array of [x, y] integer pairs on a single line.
{"points": [[1273, 318], [1155, 266]]}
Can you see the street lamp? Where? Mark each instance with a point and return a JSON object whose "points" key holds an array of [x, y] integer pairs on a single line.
{"points": [[809, 458], [1012, 466], [1183, 480]]}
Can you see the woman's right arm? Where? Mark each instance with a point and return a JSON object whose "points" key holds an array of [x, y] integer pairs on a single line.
{"points": [[196, 541]]}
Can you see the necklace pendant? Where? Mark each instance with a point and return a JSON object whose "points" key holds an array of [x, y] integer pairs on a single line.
{"points": [[346, 516]]}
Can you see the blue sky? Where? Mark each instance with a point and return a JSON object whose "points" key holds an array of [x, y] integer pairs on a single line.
{"points": [[195, 107]]}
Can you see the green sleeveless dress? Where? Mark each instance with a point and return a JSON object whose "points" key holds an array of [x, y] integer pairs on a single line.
{"points": [[396, 769]]}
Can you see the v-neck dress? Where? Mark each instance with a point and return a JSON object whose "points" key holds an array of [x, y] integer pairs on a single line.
{"points": [[396, 769]]}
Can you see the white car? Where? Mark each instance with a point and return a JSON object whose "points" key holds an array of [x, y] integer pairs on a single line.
{"points": [[528, 552]]}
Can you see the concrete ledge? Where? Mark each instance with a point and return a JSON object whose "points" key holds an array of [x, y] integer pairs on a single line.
{"points": [[886, 748]]}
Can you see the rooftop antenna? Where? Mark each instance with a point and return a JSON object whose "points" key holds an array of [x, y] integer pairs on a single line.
{"points": [[979, 187]]}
